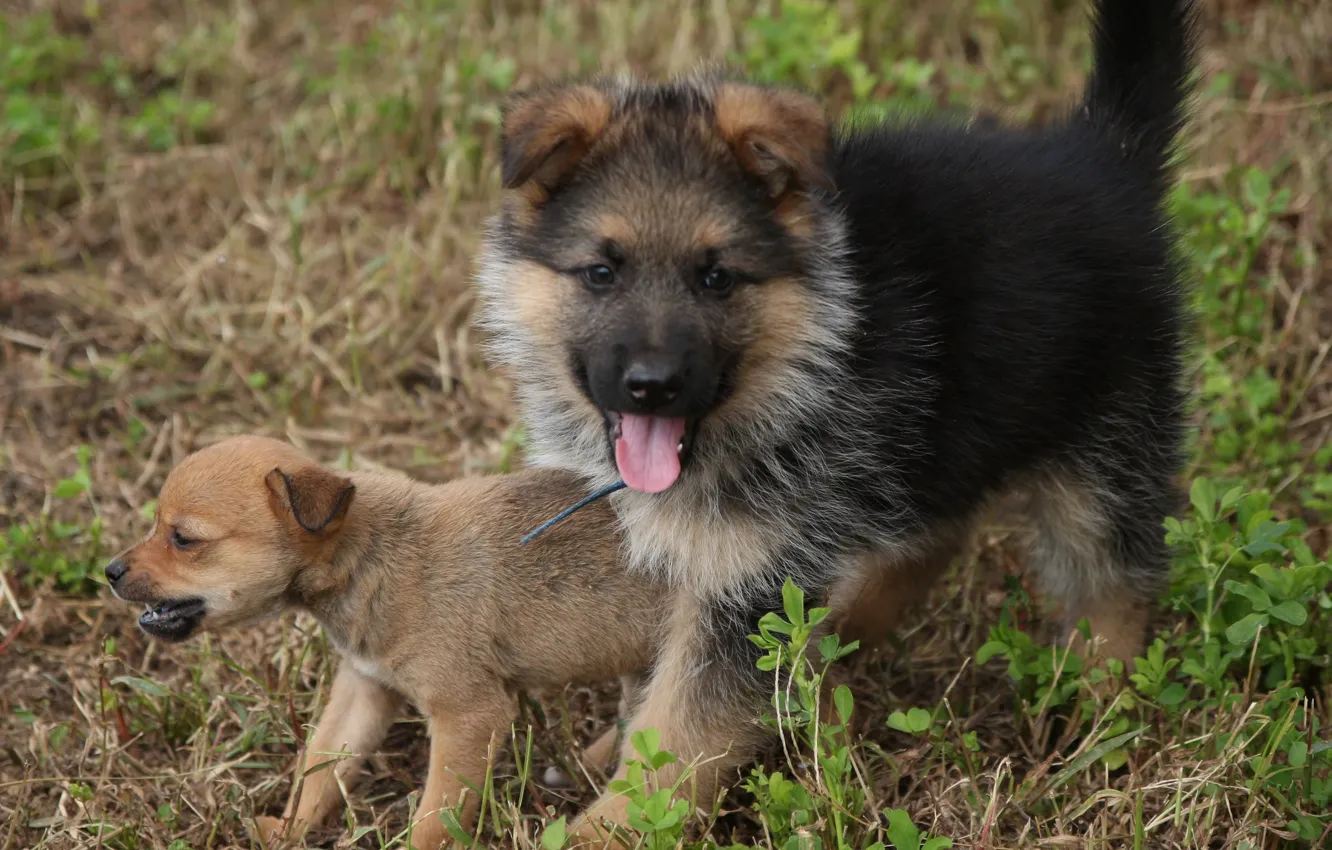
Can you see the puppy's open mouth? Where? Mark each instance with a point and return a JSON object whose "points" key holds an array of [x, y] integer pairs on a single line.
{"points": [[650, 451], [174, 619]]}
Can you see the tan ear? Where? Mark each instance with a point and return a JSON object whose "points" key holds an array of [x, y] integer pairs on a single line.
{"points": [[780, 136], [316, 498], [547, 132]]}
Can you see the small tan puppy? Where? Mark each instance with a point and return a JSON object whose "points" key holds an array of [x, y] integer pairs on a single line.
{"points": [[425, 590]]}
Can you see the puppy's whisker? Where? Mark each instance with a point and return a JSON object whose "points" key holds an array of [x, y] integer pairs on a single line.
{"points": [[569, 511]]}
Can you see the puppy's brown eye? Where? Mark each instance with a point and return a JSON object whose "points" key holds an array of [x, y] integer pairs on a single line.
{"points": [[180, 541], [600, 276], [718, 281]]}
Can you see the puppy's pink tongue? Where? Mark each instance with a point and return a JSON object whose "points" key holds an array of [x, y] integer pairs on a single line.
{"points": [[647, 452]]}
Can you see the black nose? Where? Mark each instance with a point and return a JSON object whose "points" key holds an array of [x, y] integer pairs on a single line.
{"points": [[116, 570], [653, 383]]}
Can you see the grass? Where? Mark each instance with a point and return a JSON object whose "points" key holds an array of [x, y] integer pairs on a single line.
{"points": [[258, 217]]}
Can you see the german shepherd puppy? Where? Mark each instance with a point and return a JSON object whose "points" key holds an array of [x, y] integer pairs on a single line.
{"points": [[810, 351]]}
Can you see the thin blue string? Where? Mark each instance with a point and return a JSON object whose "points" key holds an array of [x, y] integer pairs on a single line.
{"points": [[579, 505]]}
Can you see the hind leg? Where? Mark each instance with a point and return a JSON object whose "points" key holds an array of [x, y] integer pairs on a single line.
{"points": [[878, 597], [885, 589], [1100, 552]]}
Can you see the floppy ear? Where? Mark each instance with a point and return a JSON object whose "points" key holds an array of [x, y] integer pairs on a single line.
{"points": [[548, 131], [780, 136], [316, 498]]}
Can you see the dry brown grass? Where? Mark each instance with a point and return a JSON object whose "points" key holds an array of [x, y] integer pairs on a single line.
{"points": [[297, 263]]}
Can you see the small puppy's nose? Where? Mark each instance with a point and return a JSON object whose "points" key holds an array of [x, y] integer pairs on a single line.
{"points": [[652, 383], [116, 570]]}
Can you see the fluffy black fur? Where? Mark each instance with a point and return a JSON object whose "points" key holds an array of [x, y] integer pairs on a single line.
{"points": [[1021, 314]]}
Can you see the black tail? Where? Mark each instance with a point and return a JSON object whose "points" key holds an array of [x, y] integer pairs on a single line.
{"points": [[1143, 52]]}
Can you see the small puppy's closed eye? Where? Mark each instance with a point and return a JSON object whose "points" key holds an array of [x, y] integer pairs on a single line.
{"points": [[180, 541]]}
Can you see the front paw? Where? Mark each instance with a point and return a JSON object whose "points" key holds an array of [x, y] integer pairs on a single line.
{"points": [[270, 831], [601, 826], [586, 835], [428, 833]]}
